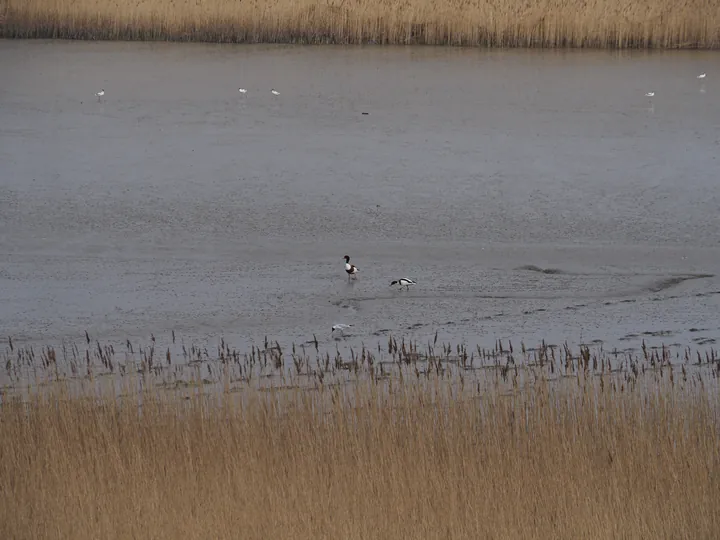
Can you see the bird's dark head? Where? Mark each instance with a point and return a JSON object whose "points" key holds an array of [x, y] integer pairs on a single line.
{"points": [[347, 258], [393, 283]]}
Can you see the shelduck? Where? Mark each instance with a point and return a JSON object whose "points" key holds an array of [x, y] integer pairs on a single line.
{"points": [[351, 269]]}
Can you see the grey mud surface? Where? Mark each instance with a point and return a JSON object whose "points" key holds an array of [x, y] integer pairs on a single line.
{"points": [[532, 195]]}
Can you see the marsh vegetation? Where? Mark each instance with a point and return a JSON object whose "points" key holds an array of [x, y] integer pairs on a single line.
{"points": [[399, 441], [606, 23]]}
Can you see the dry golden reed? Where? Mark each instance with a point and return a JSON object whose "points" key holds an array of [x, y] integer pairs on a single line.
{"points": [[532, 23], [375, 458]]}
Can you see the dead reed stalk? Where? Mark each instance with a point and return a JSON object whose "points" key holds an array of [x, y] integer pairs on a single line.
{"points": [[536, 23]]}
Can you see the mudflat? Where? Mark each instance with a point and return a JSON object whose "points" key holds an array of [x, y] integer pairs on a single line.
{"points": [[531, 195]]}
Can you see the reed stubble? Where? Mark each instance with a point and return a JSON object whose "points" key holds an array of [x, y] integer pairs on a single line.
{"points": [[553, 23], [369, 459]]}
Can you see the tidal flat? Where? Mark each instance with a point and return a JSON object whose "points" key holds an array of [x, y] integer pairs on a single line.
{"points": [[533, 195]]}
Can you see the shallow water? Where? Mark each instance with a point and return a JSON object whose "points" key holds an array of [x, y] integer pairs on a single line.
{"points": [[176, 203]]}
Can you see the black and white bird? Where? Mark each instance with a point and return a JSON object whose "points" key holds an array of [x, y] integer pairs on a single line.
{"points": [[403, 282], [340, 328], [351, 269], [100, 94]]}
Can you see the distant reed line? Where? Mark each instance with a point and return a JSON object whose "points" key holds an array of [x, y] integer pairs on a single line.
{"points": [[535, 23]]}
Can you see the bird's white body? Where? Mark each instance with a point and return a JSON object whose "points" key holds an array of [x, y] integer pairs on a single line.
{"points": [[340, 328], [403, 282], [702, 76], [275, 92], [242, 90], [650, 94]]}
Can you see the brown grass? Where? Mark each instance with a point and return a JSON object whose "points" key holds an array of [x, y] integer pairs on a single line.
{"points": [[542, 23], [600, 451]]}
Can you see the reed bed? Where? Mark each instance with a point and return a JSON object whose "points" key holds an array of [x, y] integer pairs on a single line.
{"points": [[534, 23], [168, 363], [543, 443]]}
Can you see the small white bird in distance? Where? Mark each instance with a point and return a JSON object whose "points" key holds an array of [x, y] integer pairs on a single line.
{"points": [[650, 94], [340, 328], [100, 94], [242, 90], [275, 92], [702, 76]]}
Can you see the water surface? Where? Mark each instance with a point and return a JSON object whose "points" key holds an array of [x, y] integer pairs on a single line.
{"points": [[531, 194]]}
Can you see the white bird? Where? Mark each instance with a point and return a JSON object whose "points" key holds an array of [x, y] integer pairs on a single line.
{"points": [[702, 76], [650, 94], [242, 90], [340, 328], [403, 282], [275, 92], [351, 269], [100, 94]]}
